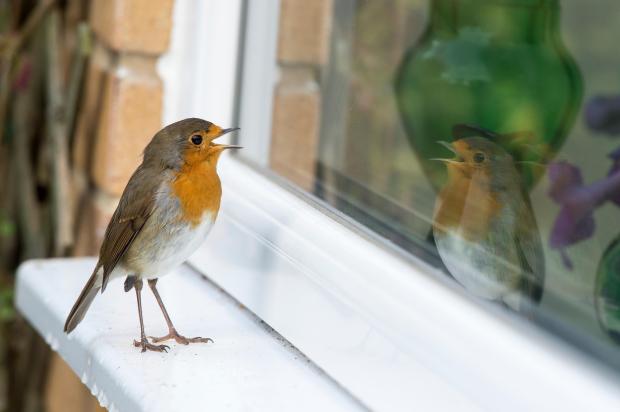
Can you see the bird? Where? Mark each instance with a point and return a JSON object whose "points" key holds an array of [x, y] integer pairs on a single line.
{"points": [[484, 227], [165, 212]]}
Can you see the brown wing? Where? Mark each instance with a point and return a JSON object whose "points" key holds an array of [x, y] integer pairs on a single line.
{"points": [[530, 250], [133, 211]]}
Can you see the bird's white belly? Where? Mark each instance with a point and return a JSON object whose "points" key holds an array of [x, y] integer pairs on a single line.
{"points": [[170, 246], [475, 266]]}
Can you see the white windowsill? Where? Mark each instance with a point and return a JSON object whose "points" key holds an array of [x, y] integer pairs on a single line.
{"points": [[249, 367], [389, 331]]}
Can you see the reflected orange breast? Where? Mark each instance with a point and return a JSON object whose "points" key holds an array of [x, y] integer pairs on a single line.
{"points": [[467, 207]]}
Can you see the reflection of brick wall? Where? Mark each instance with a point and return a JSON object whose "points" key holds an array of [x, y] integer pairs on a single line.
{"points": [[120, 111], [303, 49]]}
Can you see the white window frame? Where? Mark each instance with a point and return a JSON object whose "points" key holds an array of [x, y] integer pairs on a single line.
{"points": [[387, 328]]}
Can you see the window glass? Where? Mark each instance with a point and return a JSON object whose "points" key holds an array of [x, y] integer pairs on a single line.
{"points": [[479, 135]]}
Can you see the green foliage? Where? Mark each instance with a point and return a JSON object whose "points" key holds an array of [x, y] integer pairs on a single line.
{"points": [[7, 311], [7, 227]]}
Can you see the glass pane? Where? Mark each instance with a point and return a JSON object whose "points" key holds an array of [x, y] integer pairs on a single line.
{"points": [[479, 135]]}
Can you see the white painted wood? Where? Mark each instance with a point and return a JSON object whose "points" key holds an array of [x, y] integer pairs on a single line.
{"points": [[199, 70], [248, 368], [389, 330], [258, 78]]}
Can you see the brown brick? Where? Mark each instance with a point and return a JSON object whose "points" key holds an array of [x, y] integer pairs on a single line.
{"points": [[141, 26], [296, 127], [95, 212], [305, 30], [130, 116], [64, 392]]}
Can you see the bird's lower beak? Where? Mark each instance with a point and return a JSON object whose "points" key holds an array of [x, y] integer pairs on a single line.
{"points": [[229, 146], [445, 160]]}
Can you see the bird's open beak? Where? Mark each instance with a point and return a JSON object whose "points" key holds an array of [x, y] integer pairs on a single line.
{"points": [[450, 148], [229, 146]]}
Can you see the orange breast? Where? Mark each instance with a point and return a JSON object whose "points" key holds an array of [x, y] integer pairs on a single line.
{"points": [[467, 207], [199, 190]]}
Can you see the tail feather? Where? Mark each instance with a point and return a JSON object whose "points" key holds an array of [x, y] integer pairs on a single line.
{"points": [[83, 302]]}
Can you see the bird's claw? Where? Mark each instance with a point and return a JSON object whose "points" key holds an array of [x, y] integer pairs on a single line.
{"points": [[145, 345], [173, 334]]}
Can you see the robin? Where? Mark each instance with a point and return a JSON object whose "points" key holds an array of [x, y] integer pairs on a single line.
{"points": [[484, 226], [165, 212]]}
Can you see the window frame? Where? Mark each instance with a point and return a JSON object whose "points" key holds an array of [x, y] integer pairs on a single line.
{"points": [[388, 328]]}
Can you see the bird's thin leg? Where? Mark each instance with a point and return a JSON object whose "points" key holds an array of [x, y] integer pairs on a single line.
{"points": [[172, 332], [143, 342]]}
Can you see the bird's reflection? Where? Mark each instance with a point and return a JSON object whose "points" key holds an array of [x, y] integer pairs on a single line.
{"points": [[484, 227]]}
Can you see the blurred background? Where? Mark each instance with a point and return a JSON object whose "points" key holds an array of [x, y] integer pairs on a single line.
{"points": [[72, 129], [364, 90]]}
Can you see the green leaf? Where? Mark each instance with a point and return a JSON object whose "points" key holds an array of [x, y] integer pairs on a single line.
{"points": [[7, 311], [7, 227]]}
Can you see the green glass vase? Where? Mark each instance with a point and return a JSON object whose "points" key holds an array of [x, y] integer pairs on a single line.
{"points": [[495, 64], [607, 290]]}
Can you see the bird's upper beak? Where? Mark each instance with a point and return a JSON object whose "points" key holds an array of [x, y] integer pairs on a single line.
{"points": [[447, 145], [231, 129], [450, 148], [228, 146]]}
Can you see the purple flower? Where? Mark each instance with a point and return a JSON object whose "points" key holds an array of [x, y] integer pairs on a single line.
{"points": [[575, 222]]}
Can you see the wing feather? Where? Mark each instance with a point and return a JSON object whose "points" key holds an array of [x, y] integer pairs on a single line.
{"points": [[132, 213], [530, 250]]}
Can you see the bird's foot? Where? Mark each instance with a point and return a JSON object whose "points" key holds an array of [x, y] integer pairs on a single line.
{"points": [[145, 345], [173, 334]]}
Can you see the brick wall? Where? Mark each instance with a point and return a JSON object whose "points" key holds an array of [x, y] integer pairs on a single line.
{"points": [[303, 49], [122, 106], [120, 111]]}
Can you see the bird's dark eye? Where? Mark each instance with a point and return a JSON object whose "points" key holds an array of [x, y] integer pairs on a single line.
{"points": [[196, 139], [479, 157]]}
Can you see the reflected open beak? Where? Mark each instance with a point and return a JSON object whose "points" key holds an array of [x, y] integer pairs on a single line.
{"points": [[448, 146]]}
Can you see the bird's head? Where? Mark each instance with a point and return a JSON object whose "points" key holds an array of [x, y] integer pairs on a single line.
{"points": [[187, 142], [478, 155]]}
